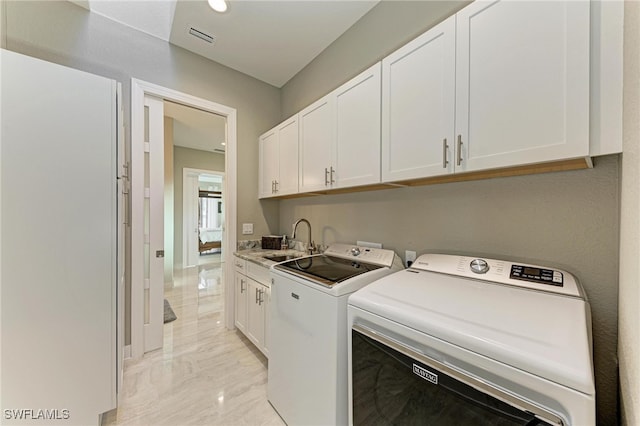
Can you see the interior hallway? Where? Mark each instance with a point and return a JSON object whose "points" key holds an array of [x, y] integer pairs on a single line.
{"points": [[204, 374]]}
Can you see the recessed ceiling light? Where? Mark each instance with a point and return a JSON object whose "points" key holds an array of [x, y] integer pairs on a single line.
{"points": [[218, 5], [222, 143]]}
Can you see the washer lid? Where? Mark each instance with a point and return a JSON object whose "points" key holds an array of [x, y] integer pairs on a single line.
{"points": [[325, 270], [545, 334]]}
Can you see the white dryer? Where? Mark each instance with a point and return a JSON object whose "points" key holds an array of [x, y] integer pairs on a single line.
{"points": [[462, 340]]}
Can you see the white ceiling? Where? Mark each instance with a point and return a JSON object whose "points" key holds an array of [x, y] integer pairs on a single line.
{"points": [[269, 40], [196, 129]]}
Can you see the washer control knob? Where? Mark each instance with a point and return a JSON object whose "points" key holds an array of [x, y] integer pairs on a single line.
{"points": [[355, 251], [479, 266]]}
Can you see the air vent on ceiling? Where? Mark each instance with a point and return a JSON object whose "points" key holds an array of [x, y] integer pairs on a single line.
{"points": [[201, 35]]}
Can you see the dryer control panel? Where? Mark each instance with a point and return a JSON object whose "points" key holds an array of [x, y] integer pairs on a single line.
{"points": [[502, 271], [536, 275]]}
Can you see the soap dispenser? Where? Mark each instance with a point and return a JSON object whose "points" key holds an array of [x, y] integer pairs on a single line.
{"points": [[284, 245]]}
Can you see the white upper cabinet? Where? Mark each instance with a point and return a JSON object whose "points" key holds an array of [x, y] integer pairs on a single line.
{"points": [[287, 182], [279, 160], [357, 142], [317, 138], [340, 136], [501, 83], [269, 163], [522, 82], [418, 93]]}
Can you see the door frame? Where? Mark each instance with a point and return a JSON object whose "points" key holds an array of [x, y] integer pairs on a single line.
{"points": [[139, 89], [186, 172]]}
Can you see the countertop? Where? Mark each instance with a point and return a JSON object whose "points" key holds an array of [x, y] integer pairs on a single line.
{"points": [[256, 255]]}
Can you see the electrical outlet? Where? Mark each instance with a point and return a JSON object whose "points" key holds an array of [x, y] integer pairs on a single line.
{"points": [[247, 228], [409, 257]]}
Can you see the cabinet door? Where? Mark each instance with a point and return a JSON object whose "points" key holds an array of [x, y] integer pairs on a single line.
{"points": [[418, 108], [288, 157], [267, 320], [268, 163], [241, 297], [316, 144], [255, 313], [522, 82], [357, 108]]}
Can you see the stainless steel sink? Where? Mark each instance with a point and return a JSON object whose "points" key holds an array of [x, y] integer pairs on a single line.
{"points": [[281, 257]]}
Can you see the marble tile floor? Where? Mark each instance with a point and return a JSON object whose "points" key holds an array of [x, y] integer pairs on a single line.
{"points": [[204, 374]]}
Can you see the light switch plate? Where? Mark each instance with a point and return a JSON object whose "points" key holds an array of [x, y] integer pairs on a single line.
{"points": [[247, 228]]}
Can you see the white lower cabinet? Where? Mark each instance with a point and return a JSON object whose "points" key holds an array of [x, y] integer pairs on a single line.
{"points": [[252, 293], [241, 291], [256, 314]]}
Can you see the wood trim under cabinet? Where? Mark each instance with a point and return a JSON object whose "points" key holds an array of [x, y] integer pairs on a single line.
{"points": [[529, 169]]}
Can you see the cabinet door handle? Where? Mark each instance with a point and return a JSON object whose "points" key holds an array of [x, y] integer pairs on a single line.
{"points": [[326, 176], [256, 296], [276, 183], [332, 172], [459, 154], [242, 287], [260, 299], [444, 153]]}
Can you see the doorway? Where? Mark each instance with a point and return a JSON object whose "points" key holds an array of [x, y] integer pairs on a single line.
{"points": [[145, 328], [203, 216]]}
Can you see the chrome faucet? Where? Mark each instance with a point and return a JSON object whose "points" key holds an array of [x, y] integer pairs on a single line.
{"points": [[310, 246]]}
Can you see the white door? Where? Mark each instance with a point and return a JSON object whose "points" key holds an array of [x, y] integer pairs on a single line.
{"points": [[316, 145], [123, 222], [357, 108], [59, 240], [153, 223], [190, 217], [418, 93], [522, 82]]}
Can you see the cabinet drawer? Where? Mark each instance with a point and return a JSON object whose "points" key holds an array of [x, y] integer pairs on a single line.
{"points": [[240, 264], [258, 273]]}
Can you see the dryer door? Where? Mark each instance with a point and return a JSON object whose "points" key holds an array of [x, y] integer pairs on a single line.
{"points": [[393, 385]]}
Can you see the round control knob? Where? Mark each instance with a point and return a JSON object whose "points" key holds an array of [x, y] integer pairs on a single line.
{"points": [[479, 266], [355, 251]]}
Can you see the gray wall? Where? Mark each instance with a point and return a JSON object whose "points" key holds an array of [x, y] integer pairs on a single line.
{"points": [[568, 220], [193, 159], [629, 316], [382, 30]]}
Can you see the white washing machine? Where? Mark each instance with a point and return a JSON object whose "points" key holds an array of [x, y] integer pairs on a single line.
{"points": [[459, 340], [307, 374]]}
